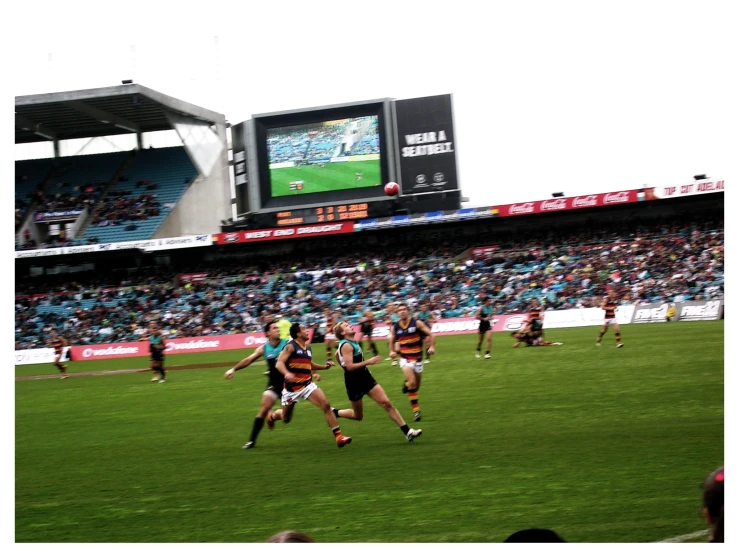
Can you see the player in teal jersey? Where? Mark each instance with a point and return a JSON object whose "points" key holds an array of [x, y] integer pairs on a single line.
{"points": [[485, 314], [425, 315], [156, 349], [359, 381], [271, 351]]}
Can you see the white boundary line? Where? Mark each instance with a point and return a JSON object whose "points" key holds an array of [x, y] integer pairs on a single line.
{"points": [[683, 538]]}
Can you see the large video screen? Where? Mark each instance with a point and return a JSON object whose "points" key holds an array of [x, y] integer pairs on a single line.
{"points": [[324, 157]]}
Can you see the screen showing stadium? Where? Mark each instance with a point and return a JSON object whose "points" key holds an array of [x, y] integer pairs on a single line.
{"points": [[324, 157]]}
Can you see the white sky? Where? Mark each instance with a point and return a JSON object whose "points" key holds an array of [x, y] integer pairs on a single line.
{"points": [[548, 96]]}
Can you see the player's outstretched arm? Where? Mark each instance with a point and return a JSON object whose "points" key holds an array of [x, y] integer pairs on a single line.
{"points": [[246, 362], [347, 354], [391, 342]]}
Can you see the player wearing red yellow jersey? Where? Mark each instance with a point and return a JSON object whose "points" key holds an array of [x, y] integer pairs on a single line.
{"points": [[407, 339], [296, 364]]}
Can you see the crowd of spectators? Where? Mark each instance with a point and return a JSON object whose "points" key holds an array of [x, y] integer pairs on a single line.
{"points": [[321, 143], [671, 262], [121, 208]]}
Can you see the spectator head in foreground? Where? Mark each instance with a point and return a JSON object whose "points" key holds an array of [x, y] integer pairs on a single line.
{"points": [[290, 536], [713, 503], [535, 535]]}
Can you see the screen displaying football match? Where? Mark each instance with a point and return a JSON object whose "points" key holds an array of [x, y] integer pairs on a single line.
{"points": [[324, 157]]}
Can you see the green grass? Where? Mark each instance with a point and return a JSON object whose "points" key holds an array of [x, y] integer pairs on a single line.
{"points": [[601, 445], [330, 177]]}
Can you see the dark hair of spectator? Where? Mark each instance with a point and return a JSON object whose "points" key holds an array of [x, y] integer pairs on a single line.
{"points": [[290, 536], [294, 330], [535, 535], [713, 503]]}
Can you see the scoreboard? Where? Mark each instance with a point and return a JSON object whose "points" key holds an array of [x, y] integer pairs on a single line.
{"points": [[327, 164], [324, 214]]}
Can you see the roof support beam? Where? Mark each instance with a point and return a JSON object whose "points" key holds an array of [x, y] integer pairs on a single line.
{"points": [[36, 128], [103, 116]]}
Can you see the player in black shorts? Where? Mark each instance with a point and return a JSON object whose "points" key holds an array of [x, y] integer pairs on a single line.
{"points": [[484, 314], [157, 346], [275, 382], [367, 328], [359, 381]]}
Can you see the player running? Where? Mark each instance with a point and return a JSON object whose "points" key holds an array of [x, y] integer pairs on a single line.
{"points": [[425, 315], [367, 327], [58, 342], [156, 350], [296, 365], [484, 314], [275, 383], [359, 381], [610, 305], [406, 337]]}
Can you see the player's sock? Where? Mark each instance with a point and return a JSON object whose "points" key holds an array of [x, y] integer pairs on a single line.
{"points": [[413, 397], [405, 387], [600, 337], [405, 429], [337, 432], [487, 352], [336, 412], [258, 424], [374, 349], [618, 338]]}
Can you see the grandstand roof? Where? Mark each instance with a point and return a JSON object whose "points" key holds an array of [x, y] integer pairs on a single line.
{"points": [[100, 112]]}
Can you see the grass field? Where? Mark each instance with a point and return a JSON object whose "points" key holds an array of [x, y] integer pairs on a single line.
{"points": [[599, 444], [330, 177]]}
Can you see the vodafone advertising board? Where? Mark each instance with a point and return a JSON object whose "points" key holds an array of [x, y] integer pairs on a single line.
{"points": [[259, 235], [569, 203], [187, 345]]}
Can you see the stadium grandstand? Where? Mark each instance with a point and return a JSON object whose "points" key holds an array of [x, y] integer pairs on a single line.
{"points": [[669, 251], [96, 174]]}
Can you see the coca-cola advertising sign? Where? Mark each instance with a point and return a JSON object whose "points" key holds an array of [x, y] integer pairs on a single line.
{"points": [[589, 201], [569, 203], [553, 205], [617, 197], [519, 209]]}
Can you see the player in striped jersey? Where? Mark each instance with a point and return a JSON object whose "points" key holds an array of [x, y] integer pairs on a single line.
{"points": [[610, 305], [58, 342], [359, 381], [406, 338], [296, 365]]}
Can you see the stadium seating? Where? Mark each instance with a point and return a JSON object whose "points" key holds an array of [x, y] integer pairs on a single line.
{"points": [[170, 169], [29, 174], [684, 263]]}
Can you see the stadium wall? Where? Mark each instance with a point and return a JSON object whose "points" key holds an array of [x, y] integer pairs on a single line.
{"points": [[204, 204], [706, 310]]}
